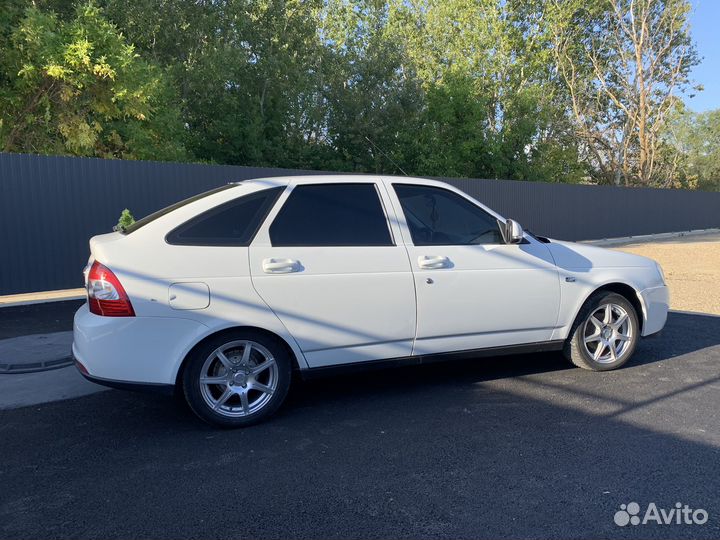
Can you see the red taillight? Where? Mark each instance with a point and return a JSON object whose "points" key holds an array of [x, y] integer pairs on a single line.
{"points": [[106, 295]]}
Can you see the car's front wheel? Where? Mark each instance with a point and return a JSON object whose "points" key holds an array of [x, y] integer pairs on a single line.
{"points": [[605, 333], [237, 378]]}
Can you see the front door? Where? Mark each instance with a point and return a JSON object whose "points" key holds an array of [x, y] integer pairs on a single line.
{"points": [[327, 263], [473, 290]]}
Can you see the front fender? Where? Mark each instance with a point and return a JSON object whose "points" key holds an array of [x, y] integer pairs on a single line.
{"points": [[576, 288]]}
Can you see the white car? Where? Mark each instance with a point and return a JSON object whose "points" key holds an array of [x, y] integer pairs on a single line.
{"points": [[223, 295]]}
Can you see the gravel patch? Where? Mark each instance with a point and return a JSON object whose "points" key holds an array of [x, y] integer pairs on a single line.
{"points": [[692, 272]]}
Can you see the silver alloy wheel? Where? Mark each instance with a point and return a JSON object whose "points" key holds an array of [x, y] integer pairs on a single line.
{"points": [[238, 378], [608, 333]]}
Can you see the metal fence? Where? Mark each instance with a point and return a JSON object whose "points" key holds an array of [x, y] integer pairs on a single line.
{"points": [[51, 206]]}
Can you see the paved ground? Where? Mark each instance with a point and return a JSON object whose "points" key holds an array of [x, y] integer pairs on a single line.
{"points": [[521, 447], [35, 352], [37, 318], [23, 389], [509, 447]]}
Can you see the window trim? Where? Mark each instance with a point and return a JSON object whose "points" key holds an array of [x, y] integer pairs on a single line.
{"points": [[270, 204], [406, 221], [383, 208]]}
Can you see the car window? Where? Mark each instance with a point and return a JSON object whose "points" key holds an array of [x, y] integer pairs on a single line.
{"points": [[438, 217], [331, 215], [233, 223]]}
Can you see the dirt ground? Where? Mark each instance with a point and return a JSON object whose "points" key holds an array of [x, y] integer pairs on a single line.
{"points": [[692, 271]]}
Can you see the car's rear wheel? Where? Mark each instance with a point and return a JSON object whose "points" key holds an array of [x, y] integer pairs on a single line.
{"points": [[605, 333], [237, 379]]}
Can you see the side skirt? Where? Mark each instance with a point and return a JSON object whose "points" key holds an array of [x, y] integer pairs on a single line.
{"points": [[526, 348]]}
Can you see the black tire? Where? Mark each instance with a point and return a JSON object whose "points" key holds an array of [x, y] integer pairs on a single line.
{"points": [[196, 393], [575, 348]]}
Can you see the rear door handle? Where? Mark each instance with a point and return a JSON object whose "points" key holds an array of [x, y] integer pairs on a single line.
{"points": [[280, 266], [433, 261]]}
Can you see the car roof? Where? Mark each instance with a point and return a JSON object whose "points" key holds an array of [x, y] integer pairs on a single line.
{"points": [[280, 181], [273, 181]]}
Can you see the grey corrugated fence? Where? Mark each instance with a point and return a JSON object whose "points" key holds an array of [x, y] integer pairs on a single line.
{"points": [[51, 206]]}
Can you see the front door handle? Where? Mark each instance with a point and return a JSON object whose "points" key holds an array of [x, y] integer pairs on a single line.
{"points": [[280, 266], [433, 261]]}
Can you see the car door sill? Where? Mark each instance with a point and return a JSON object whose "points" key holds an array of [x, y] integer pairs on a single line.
{"points": [[322, 371]]}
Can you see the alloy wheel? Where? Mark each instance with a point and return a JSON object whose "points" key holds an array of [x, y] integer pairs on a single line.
{"points": [[608, 333], [238, 378]]}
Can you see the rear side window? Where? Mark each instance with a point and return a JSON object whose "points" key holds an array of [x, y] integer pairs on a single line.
{"points": [[439, 217], [331, 215], [233, 223]]}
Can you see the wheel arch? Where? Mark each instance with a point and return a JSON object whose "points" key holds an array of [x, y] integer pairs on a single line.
{"points": [[231, 330], [630, 293]]}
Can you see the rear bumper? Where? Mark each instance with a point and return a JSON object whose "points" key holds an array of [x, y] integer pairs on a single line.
{"points": [[167, 389], [656, 302], [131, 351]]}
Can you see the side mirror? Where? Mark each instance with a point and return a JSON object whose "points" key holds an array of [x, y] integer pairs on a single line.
{"points": [[513, 232]]}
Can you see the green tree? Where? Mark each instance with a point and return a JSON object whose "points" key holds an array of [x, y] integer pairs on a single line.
{"points": [[550, 90], [372, 100], [246, 71], [625, 63], [491, 109], [690, 150], [76, 86]]}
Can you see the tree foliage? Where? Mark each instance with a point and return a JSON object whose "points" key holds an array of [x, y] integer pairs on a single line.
{"points": [[623, 63], [77, 86], [550, 90], [690, 151]]}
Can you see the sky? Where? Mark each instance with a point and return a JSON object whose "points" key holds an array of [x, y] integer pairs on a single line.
{"points": [[704, 24]]}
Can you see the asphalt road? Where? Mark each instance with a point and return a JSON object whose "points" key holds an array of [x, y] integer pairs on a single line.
{"points": [[513, 447], [37, 318]]}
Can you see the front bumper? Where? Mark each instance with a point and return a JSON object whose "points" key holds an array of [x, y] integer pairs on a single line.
{"points": [[655, 303], [132, 350]]}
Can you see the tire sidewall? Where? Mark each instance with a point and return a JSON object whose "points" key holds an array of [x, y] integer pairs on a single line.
{"points": [[192, 371]]}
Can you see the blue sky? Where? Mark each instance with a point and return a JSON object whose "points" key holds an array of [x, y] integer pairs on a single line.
{"points": [[705, 29]]}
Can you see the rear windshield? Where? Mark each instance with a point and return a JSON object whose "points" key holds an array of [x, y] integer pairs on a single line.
{"points": [[152, 217]]}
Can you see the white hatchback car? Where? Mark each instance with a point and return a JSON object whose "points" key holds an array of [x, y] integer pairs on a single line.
{"points": [[223, 295]]}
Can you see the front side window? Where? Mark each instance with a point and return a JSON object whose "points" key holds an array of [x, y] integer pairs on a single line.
{"points": [[331, 215], [439, 217], [233, 223]]}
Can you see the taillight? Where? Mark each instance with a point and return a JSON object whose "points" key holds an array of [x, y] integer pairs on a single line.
{"points": [[106, 295]]}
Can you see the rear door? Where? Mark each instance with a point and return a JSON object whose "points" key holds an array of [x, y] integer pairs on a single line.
{"points": [[328, 263]]}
